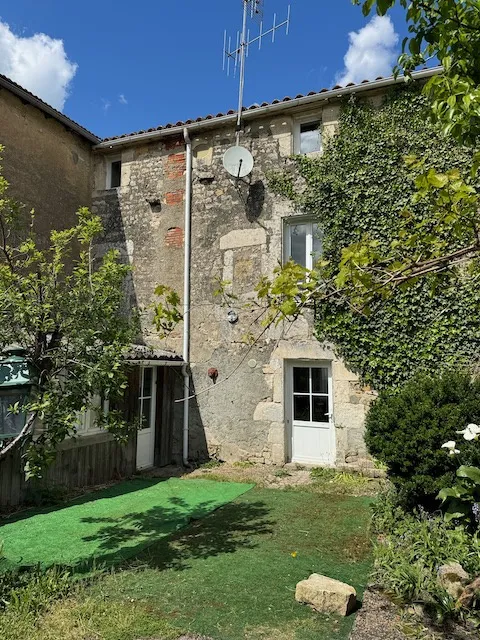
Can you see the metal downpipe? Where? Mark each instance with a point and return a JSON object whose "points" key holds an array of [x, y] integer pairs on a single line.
{"points": [[186, 294]]}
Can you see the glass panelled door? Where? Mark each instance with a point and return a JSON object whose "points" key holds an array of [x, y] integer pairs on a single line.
{"points": [[147, 405], [311, 414]]}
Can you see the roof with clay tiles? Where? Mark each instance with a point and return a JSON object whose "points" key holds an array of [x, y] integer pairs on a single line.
{"points": [[365, 85]]}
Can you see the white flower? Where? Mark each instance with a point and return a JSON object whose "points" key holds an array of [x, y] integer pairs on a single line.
{"points": [[450, 445], [471, 432]]}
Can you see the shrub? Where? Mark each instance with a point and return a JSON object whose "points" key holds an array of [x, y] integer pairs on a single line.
{"points": [[412, 548], [406, 428]]}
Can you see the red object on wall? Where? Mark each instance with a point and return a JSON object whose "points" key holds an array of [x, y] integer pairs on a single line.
{"points": [[213, 374]]}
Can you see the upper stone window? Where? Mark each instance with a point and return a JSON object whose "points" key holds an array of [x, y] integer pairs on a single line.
{"points": [[308, 136], [114, 173], [302, 241]]}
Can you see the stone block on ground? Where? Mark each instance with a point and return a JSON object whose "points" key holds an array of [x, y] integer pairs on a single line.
{"points": [[470, 592], [326, 595], [452, 577]]}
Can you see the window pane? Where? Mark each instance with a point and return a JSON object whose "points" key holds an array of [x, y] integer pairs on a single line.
{"points": [[116, 173], [147, 381], [317, 242], [10, 424], [301, 408], [310, 137], [298, 243], [146, 411], [319, 380], [320, 408], [301, 382]]}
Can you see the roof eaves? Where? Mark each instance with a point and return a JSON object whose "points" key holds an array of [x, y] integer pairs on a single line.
{"points": [[35, 101], [256, 110]]}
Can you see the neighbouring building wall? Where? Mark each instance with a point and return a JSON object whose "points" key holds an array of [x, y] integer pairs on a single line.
{"points": [[49, 168], [237, 235]]}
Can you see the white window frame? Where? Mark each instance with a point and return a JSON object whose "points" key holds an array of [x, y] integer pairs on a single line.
{"points": [[288, 223], [309, 119], [311, 394], [151, 397], [110, 161], [87, 425]]}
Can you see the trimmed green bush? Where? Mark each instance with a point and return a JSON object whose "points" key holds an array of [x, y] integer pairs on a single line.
{"points": [[406, 428]]}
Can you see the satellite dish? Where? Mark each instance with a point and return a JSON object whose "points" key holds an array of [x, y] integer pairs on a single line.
{"points": [[238, 161]]}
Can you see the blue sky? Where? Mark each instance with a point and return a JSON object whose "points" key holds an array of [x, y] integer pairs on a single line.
{"points": [[118, 66]]}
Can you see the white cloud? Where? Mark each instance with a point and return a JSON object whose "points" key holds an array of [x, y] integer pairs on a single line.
{"points": [[122, 99], [372, 52], [106, 104], [38, 63]]}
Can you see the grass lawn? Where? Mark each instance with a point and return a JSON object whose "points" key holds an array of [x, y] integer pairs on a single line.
{"points": [[230, 575], [107, 526]]}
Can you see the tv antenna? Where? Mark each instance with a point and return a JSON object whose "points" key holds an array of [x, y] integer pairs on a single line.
{"points": [[252, 10]]}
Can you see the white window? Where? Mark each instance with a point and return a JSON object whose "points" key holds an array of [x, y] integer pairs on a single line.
{"points": [[308, 136], [11, 424], [147, 405], [87, 422], [311, 396], [114, 172], [302, 242]]}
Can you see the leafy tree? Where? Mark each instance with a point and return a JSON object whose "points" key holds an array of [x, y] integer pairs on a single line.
{"points": [[64, 307], [450, 31]]}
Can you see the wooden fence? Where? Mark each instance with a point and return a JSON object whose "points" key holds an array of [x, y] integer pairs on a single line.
{"points": [[81, 462]]}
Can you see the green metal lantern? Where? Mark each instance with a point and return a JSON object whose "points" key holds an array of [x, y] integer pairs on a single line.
{"points": [[15, 386]]}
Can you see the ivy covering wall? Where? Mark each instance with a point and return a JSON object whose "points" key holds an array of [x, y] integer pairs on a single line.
{"points": [[361, 185]]}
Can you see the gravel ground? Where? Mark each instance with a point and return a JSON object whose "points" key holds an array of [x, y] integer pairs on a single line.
{"points": [[378, 619], [290, 475]]}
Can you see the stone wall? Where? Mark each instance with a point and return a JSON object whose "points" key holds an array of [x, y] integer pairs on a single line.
{"points": [[144, 219], [237, 229], [49, 168], [237, 232]]}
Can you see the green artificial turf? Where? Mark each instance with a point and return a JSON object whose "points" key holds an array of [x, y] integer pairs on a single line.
{"points": [[106, 526], [232, 575]]}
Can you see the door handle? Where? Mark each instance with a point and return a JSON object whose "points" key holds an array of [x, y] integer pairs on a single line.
{"points": [[328, 414]]}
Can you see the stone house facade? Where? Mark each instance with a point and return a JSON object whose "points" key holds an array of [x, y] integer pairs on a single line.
{"points": [[180, 219], [288, 397]]}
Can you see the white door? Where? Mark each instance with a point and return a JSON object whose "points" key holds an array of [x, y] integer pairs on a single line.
{"points": [[310, 414], [147, 406]]}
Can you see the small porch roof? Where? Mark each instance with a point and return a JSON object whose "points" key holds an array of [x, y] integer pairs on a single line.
{"points": [[143, 354]]}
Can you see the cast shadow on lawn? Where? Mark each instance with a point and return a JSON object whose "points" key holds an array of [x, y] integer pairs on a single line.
{"points": [[113, 491], [169, 537]]}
